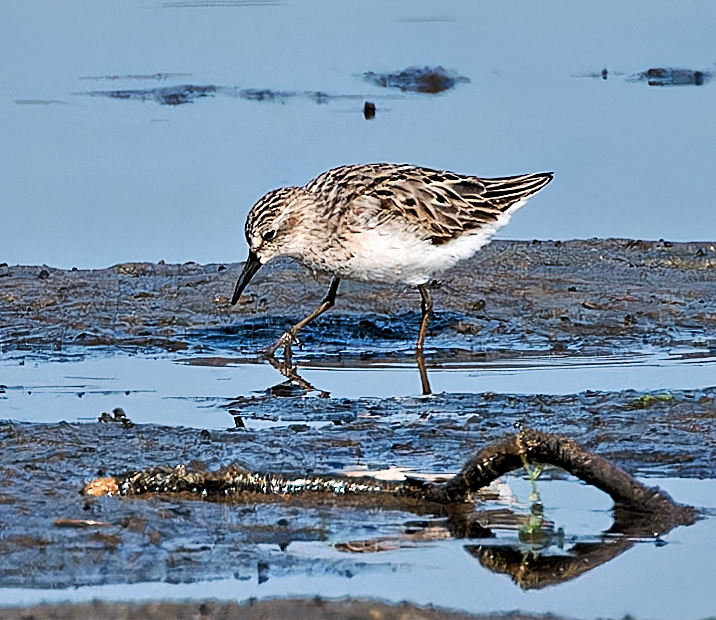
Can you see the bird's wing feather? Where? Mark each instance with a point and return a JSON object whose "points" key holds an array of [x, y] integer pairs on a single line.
{"points": [[442, 205]]}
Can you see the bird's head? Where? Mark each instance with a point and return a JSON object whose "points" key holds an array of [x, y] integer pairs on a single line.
{"points": [[268, 231]]}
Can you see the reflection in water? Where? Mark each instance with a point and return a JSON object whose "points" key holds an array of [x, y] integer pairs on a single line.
{"points": [[158, 77], [188, 93], [290, 371], [603, 74], [541, 556], [658, 77], [39, 101], [428, 80], [168, 95]]}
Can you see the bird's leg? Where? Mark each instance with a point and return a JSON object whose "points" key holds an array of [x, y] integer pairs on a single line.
{"points": [[426, 306], [286, 340], [423, 373]]}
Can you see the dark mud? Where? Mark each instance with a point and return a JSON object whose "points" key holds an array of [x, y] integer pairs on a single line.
{"points": [[313, 609], [581, 297], [667, 433]]}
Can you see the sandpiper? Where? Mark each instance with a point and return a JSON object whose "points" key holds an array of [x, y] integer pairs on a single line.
{"points": [[390, 223]]}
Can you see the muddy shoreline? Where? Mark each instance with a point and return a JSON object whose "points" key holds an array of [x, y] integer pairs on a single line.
{"points": [[176, 539], [574, 295], [277, 609], [516, 298]]}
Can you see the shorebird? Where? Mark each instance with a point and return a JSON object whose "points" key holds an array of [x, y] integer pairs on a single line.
{"points": [[389, 223]]}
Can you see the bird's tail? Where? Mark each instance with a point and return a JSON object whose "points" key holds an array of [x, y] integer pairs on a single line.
{"points": [[505, 192]]}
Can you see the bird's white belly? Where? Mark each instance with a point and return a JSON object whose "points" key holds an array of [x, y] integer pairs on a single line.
{"points": [[380, 255], [395, 253]]}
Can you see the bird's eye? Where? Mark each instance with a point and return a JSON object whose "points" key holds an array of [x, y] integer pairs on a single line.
{"points": [[268, 235]]}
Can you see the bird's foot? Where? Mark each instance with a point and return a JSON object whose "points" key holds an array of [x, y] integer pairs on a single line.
{"points": [[285, 342]]}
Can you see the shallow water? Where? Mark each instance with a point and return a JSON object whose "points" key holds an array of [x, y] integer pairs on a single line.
{"points": [[190, 390], [90, 181]]}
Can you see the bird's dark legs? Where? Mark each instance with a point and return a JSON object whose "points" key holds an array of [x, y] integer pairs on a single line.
{"points": [[423, 373], [426, 305], [286, 340], [329, 301]]}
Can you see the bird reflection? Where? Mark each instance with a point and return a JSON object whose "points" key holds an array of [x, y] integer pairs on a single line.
{"points": [[290, 371]]}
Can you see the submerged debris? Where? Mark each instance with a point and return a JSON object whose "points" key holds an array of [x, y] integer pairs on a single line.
{"points": [[535, 446], [639, 511], [430, 80], [672, 77], [168, 95], [228, 482]]}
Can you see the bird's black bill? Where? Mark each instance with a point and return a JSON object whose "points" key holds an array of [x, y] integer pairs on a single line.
{"points": [[250, 268]]}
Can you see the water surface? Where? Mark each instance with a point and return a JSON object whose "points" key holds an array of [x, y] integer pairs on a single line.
{"points": [[90, 181]]}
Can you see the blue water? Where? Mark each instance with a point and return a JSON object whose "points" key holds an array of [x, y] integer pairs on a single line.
{"points": [[176, 389], [90, 181]]}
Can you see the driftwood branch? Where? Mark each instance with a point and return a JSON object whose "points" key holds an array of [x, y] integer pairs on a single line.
{"points": [[537, 447], [631, 497]]}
